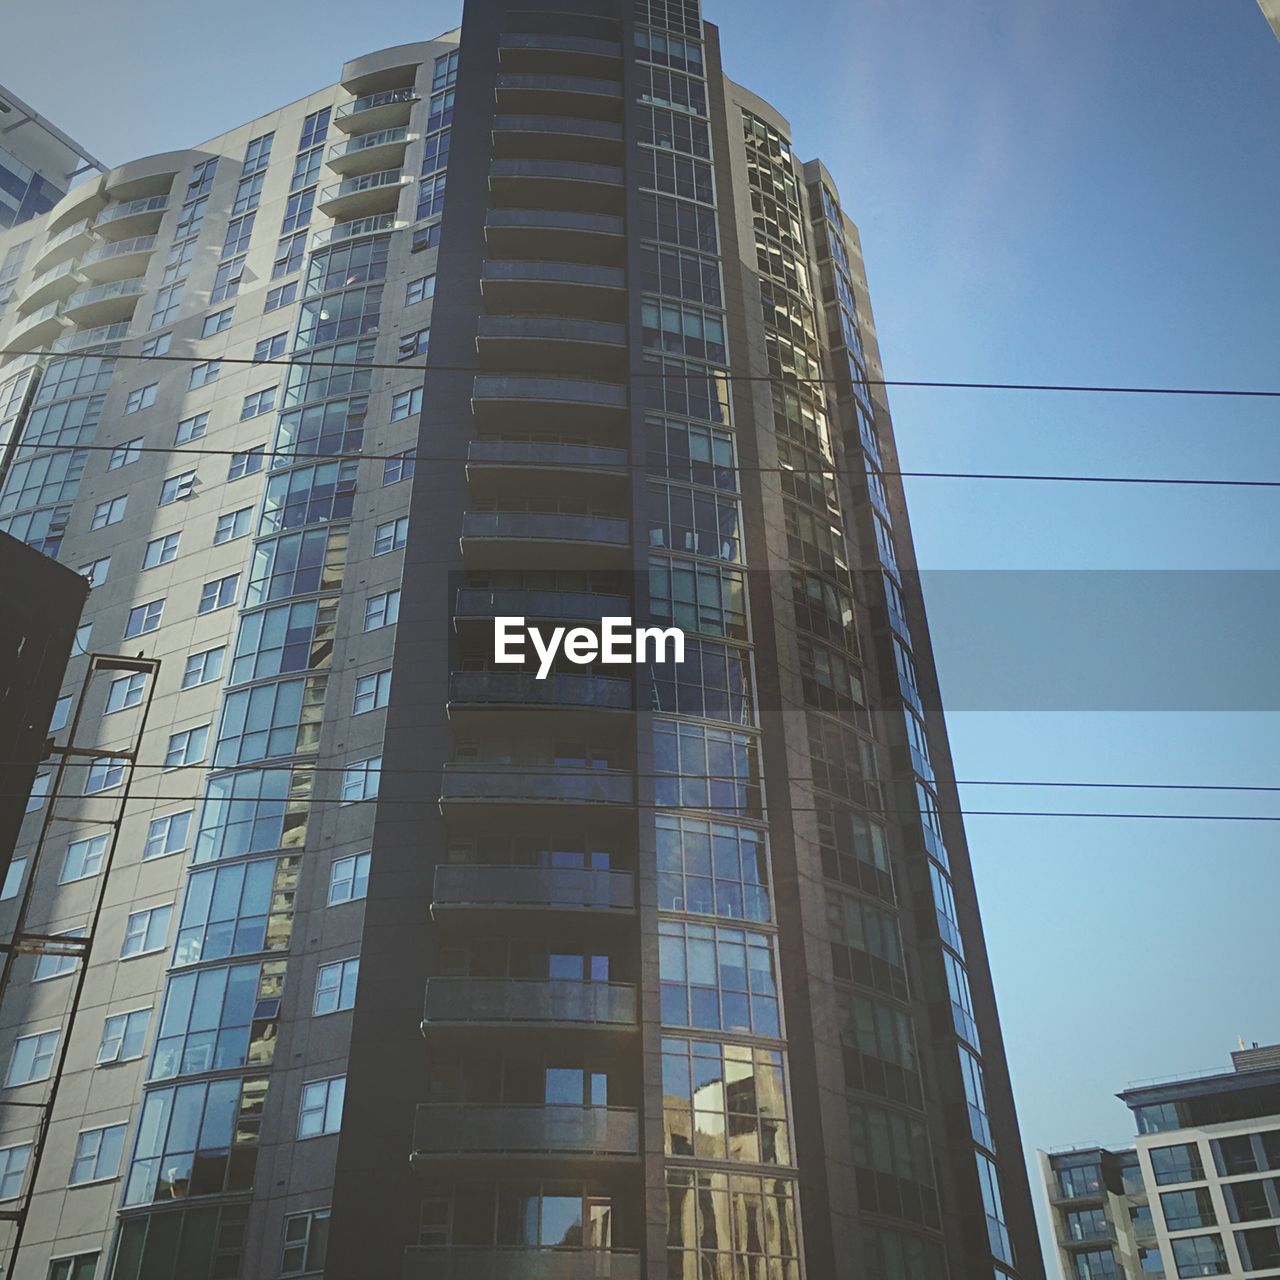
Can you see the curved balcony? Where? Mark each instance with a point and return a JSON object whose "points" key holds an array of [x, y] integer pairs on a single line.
{"points": [[558, 184], [486, 692], [554, 288], [569, 55], [468, 888], [360, 197], [104, 303], [57, 282], [443, 1131], [367, 152], [453, 1263], [544, 540], [375, 111], [380, 222], [80, 339], [503, 1002], [556, 235], [535, 343], [527, 93], [556, 138], [491, 462], [133, 217], [515, 401], [524, 791], [39, 328], [118, 259], [474, 604], [69, 242]]}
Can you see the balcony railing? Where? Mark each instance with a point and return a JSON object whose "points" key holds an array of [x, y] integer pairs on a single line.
{"points": [[117, 212], [489, 785], [525, 92], [545, 453], [366, 182], [523, 689], [118, 248], [106, 301], [535, 888], [77, 339], [576, 606], [562, 137], [441, 1129], [366, 141], [520, 1264], [547, 526], [575, 399], [371, 225], [387, 107], [557, 184], [460, 1001], [46, 278]]}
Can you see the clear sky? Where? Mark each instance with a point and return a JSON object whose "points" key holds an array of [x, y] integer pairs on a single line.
{"points": [[1082, 192]]}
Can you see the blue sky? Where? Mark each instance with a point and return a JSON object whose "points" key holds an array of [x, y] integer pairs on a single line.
{"points": [[1080, 192]]}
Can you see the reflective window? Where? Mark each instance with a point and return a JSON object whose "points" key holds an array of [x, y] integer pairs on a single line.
{"points": [[320, 1111], [1180, 1163], [237, 910], [704, 768], [252, 811], [32, 1058], [349, 879], [336, 986], [146, 931], [718, 979], [712, 868], [287, 637], [167, 835], [98, 1153], [279, 719], [124, 1036]]}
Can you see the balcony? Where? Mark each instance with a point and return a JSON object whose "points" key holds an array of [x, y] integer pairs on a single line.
{"points": [[494, 465], [474, 604], [69, 242], [544, 540], [118, 259], [487, 692], [49, 286], [105, 303], [81, 339], [133, 217], [376, 111], [525, 93], [535, 343], [376, 225], [501, 1003], [467, 888], [371, 193], [556, 138], [587, 1133], [557, 184], [39, 328], [554, 289], [555, 235], [519, 1264], [522, 792], [569, 55], [367, 152], [512, 402]]}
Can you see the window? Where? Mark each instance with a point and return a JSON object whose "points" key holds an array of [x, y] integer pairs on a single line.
{"points": [[218, 594], [382, 611], [186, 747], [239, 232], [203, 668], [289, 637], [397, 468], [161, 550], [420, 290], [157, 346], [712, 868], [109, 512], [705, 768], [348, 879], [96, 572], [13, 1165], [191, 429], [124, 454], [289, 254], [1179, 1163], [297, 211], [1199, 1256], [247, 463], [258, 402], [237, 910], [146, 931], [431, 196], [98, 1153], [125, 691], [270, 348], [360, 780], [62, 708], [32, 1058], [315, 128], [168, 302], [718, 979], [414, 344], [390, 536], [321, 1108], [372, 692], [435, 151], [336, 986], [103, 775], [84, 859], [446, 71], [1184, 1210], [18, 868], [248, 194], [166, 835], [219, 322], [123, 1037], [257, 154], [177, 488], [440, 110], [271, 720], [84, 1266], [1096, 1264], [281, 296], [57, 964], [39, 791], [205, 372], [141, 398], [306, 1237], [226, 281], [425, 238], [232, 525], [192, 217]]}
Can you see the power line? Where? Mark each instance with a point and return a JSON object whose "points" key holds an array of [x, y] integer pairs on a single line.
{"points": [[721, 375]]}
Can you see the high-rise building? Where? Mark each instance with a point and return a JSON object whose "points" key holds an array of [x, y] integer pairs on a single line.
{"points": [[1271, 8], [1198, 1194], [411, 963]]}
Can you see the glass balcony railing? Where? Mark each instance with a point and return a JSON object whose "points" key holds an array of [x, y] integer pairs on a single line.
{"points": [[77, 339], [517, 1000], [537, 888], [454, 1263], [524, 689], [546, 526], [534, 786], [115, 212], [367, 141], [67, 233], [46, 278], [476, 602], [130, 288], [118, 249], [358, 227], [365, 182], [442, 1129], [386, 97]]}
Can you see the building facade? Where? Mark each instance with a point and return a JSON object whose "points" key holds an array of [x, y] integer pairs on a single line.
{"points": [[1271, 9], [411, 964]]}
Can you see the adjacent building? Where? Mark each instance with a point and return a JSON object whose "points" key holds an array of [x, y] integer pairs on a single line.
{"points": [[1200, 1188], [410, 964], [1271, 8]]}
